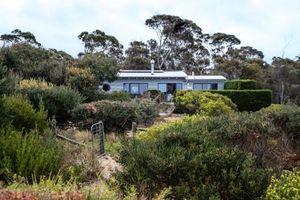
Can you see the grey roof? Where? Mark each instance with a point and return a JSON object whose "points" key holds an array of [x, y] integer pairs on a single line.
{"points": [[165, 74], [147, 74], [206, 77]]}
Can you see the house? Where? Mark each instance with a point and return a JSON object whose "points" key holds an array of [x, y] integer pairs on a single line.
{"points": [[138, 81]]}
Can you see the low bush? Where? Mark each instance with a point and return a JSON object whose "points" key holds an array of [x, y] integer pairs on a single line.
{"points": [[245, 100], [58, 100], [7, 82], [204, 103], [286, 187], [115, 96], [29, 156], [240, 85], [224, 157], [116, 115], [18, 112], [153, 94]]}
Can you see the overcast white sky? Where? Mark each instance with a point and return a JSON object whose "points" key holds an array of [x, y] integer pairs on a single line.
{"points": [[271, 26]]}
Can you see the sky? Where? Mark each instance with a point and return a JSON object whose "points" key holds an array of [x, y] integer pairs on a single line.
{"points": [[271, 26]]}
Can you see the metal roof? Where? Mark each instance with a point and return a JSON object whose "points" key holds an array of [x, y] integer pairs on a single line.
{"points": [[206, 77], [147, 74], [165, 74]]}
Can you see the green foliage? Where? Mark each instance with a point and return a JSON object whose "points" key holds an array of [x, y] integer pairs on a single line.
{"points": [[104, 68], [287, 187], [34, 83], [203, 103], [195, 161], [58, 100], [115, 96], [82, 80], [29, 156], [224, 157], [245, 100], [7, 81], [240, 85], [116, 115], [18, 112], [286, 116]]}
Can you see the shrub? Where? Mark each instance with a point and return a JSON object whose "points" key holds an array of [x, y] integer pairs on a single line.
{"points": [[153, 94], [286, 187], [223, 157], [35, 83], [195, 163], [82, 80], [17, 111], [7, 81], [203, 103], [116, 115], [58, 100], [115, 96], [29, 155], [245, 100], [240, 85]]}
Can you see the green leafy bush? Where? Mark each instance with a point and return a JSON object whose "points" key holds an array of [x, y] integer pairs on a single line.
{"points": [[82, 80], [29, 156], [240, 85], [245, 100], [195, 161], [115, 96], [7, 82], [203, 103], [116, 115], [223, 157], [58, 100], [18, 112], [286, 187]]}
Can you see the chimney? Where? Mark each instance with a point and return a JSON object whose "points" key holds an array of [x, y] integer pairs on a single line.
{"points": [[152, 67], [193, 74]]}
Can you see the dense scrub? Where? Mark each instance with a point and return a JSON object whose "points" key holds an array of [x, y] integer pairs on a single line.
{"points": [[240, 85], [225, 157], [114, 96], [204, 103], [18, 112], [30, 156], [285, 187], [58, 100], [116, 115]]}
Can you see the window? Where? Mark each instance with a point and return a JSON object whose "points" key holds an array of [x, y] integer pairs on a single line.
{"points": [[214, 86], [143, 87], [135, 88], [205, 86], [178, 86], [162, 87]]}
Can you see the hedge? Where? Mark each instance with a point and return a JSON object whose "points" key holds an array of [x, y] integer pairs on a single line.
{"points": [[116, 115], [240, 85], [245, 100]]}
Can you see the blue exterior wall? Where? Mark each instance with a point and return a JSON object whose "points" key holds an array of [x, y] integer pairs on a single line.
{"points": [[118, 85]]}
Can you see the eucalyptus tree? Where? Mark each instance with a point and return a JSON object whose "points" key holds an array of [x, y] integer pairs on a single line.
{"points": [[286, 80], [179, 43], [99, 42], [137, 56], [244, 62], [18, 36]]}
